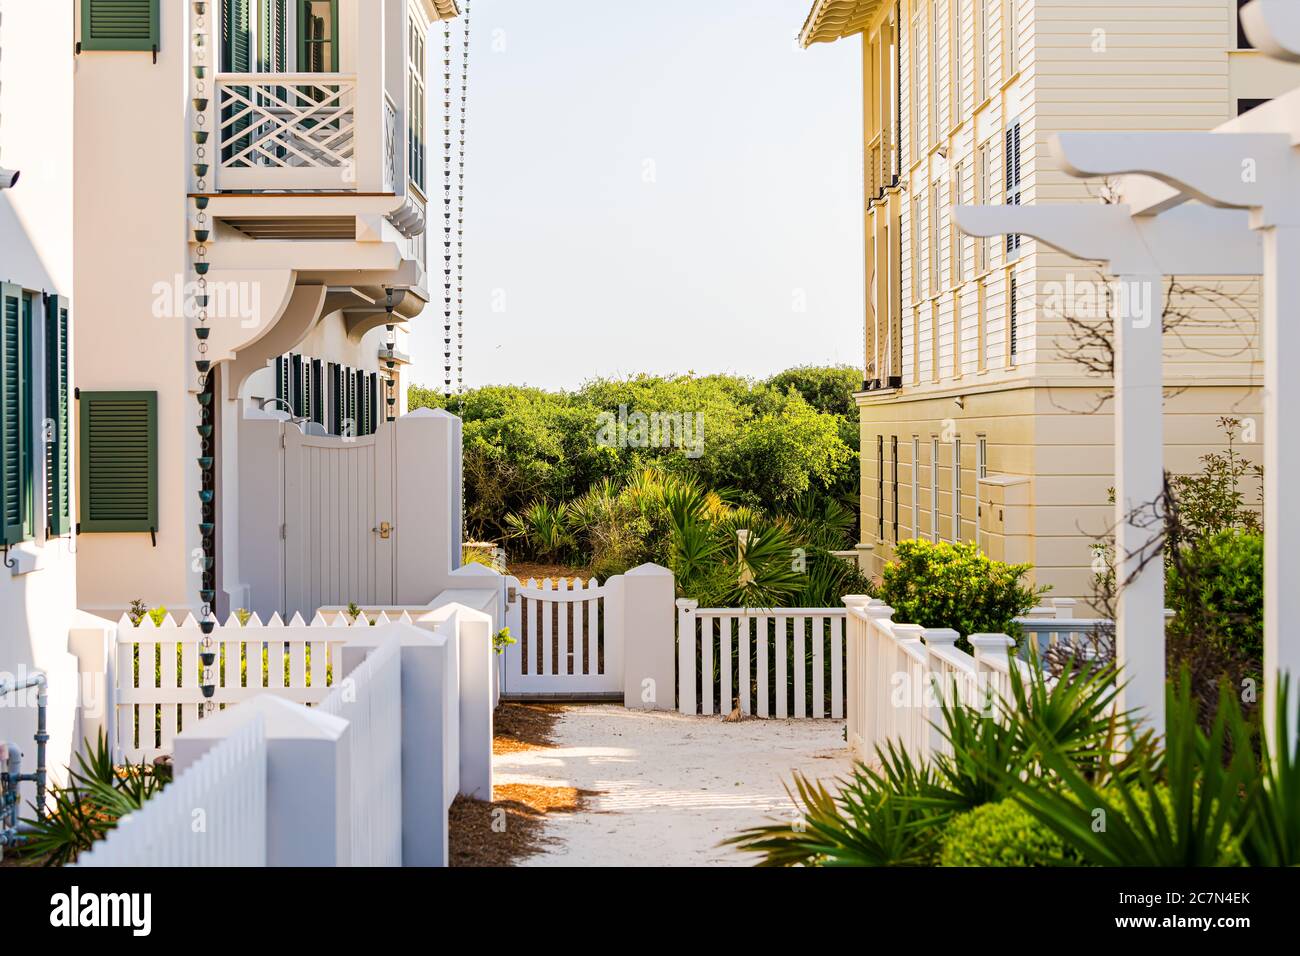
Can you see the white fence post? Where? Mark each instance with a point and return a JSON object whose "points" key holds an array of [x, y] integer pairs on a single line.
{"points": [[939, 688], [430, 774], [308, 798], [686, 646], [993, 665], [852, 664], [649, 647], [93, 641], [473, 632]]}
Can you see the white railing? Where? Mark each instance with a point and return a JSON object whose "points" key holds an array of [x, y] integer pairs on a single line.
{"points": [[899, 675], [392, 144], [370, 700], [214, 814], [784, 662], [286, 131], [158, 692]]}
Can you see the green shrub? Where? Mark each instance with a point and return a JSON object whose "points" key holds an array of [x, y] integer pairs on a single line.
{"points": [[1216, 590], [955, 586], [1002, 834]]}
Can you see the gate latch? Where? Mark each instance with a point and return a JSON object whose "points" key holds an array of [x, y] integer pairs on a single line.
{"points": [[384, 530]]}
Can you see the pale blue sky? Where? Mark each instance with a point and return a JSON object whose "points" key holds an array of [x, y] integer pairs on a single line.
{"points": [[752, 146]]}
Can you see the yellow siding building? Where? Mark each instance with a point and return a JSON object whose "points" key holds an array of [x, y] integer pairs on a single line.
{"points": [[979, 420]]}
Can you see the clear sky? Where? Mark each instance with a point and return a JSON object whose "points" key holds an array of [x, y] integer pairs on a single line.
{"points": [[653, 187]]}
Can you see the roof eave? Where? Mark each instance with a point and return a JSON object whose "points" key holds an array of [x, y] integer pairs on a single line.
{"points": [[831, 20]]}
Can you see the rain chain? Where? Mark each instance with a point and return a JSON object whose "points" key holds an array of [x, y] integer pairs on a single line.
{"points": [[205, 396], [460, 220], [446, 209]]}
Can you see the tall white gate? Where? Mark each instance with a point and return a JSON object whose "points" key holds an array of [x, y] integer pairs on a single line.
{"points": [[339, 530], [568, 639]]}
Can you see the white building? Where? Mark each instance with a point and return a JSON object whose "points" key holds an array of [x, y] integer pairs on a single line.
{"points": [[228, 202]]}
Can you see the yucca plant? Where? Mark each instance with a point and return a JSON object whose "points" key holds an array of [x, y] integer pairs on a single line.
{"points": [[1183, 806], [97, 795], [1273, 837], [884, 817], [544, 529]]}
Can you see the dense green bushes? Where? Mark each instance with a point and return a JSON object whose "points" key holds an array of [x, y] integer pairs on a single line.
{"points": [[955, 586], [1216, 590], [769, 442], [1002, 834]]}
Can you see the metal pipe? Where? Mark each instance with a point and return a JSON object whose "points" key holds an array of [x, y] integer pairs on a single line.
{"points": [[13, 758]]}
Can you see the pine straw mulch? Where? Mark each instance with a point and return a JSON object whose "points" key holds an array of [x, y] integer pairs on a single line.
{"points": [[478, 837]]}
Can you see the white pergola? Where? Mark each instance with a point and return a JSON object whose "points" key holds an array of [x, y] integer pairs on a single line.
{"points": [[1224, 202]]}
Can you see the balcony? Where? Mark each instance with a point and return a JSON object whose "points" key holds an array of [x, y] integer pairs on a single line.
{"points": [[292, 131]]}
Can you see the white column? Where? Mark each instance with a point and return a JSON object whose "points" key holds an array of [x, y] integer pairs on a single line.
{"points": [[1139, 482], [1281, 302]]}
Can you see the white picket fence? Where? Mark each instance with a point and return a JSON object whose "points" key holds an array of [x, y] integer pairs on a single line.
{"points": [[364, 778], [568, 638], [786, 662], [157, 692], [370, 700], [899, 675], [212, 815]]}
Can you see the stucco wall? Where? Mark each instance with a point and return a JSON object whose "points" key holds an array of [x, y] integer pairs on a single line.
{"points": [[37, 607]]}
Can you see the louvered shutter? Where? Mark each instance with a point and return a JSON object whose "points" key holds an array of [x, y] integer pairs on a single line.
{"points": [[119, 25], [273, 43], [58, 494], [317, 393], [298, 407], [1013, 178], [118, 461], [374, 402], [12, 386]]}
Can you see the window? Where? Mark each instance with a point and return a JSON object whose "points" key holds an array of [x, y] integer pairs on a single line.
{"points": [[935, 76], [256, 37], [917, 279], [416, 108], [15, 415], [126, 25], [957, 241], [893, 441], [119, 462], [936, 222], [958, 54], [914, 87], [318, 30], [1013, 179], [916, 487], [1013, 330], [980, 40], [35, 440], [934, 490], [1243, 41], [982, 457], [317, 386], [1011, 38], [880, 486], [983, 179], [58, 411], [956, 489]]}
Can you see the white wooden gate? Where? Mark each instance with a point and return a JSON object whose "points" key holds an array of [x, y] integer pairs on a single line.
{"points": [[338, 497], [568, 639]]}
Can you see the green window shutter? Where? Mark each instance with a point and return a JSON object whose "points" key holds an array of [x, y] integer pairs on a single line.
{"points": [[118, 461], [58, 495], [272, 47], [12, 388], [236, 39], [119, 25]]}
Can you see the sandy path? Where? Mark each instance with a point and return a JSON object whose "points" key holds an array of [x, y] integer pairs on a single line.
{"points": [[671, 787]]}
